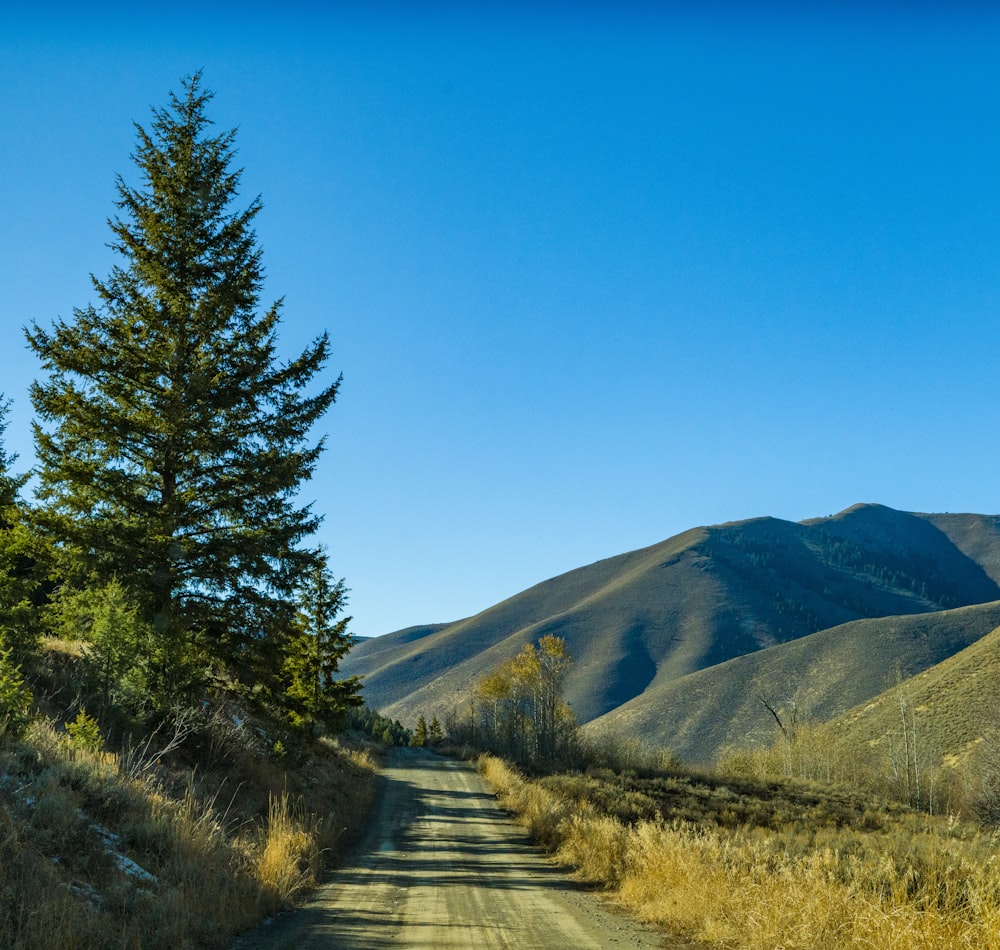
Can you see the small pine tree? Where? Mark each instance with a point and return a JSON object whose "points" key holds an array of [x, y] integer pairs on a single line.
{"points": [[15, 697], [118, 641], [420, 733], [84, 733], [313, 692], [434, 734]]}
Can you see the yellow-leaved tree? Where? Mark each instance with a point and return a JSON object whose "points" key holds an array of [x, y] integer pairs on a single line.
{"points": [[519, 707]]}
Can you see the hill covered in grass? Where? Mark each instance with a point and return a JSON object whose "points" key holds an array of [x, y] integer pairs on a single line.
{"points": [[642, 621], [813, 679], [952, 708]]}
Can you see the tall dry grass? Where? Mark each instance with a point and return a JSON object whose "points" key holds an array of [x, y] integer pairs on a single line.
{"points": [[287, 859], [93, 855], [914, 883]]}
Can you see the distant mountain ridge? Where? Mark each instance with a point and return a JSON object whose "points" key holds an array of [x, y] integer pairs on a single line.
{"points": [[641, 621]]}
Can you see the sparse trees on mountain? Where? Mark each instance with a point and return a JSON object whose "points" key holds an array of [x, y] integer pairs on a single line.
{"points": [[172, 440]]}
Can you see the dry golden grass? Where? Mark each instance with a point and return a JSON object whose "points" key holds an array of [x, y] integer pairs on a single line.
{"points": [[71, 648], [759, 894], [287, 860], [93, 857], [910, 882]]}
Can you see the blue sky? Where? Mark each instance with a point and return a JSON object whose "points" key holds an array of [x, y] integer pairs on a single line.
{"points": [[594, 275]]}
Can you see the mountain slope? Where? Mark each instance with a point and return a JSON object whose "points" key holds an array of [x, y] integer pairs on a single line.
{"points": [[976, 536], [954, 704], [823, 675], [644, 619]]}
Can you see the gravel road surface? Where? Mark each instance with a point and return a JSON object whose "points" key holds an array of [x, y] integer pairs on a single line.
{"points": [[443, 867]]}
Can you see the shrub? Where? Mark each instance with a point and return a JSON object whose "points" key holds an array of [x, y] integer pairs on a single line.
{"points": [[84, 733], [15, 697], [119, 643]]}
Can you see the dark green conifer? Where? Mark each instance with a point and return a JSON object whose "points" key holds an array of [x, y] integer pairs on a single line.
{"points": [[420, 734], [172, 440], [435, 734], [19, 565], [313, 691]]}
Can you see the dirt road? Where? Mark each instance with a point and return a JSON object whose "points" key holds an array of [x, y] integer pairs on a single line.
{"points": [[443, 867]]}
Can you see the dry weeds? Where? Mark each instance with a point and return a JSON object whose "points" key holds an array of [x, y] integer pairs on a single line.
{"points": [[899, 880], [92, 856]]}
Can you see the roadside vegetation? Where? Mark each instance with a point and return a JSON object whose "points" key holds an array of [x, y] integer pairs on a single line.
{"points": [[804, 844], [180, 836], [734, 863], [728, 860], [171, 709]]}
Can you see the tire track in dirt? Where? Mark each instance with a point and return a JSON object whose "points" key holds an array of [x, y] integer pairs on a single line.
{"points": [[443, 867]]}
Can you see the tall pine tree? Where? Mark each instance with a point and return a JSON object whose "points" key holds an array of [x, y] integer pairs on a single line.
{"points": [[172, 440]]}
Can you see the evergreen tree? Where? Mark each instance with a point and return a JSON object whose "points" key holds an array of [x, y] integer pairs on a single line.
{"points": [[18, 558], [15, 697], [374, 724], [117, 642], [172, 440], [420, 734], [435, 734], [10, 484], [313, 692]]}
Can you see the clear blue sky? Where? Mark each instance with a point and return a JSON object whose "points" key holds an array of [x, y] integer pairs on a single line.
{"points": [[593, 275]]}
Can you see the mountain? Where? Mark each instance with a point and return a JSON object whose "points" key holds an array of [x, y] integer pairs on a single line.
{"points": [[822, 675], [641, 621], [953, 705]]}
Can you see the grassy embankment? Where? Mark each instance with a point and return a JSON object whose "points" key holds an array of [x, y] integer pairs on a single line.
{"points": [[179, 840], [728, 861]]}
